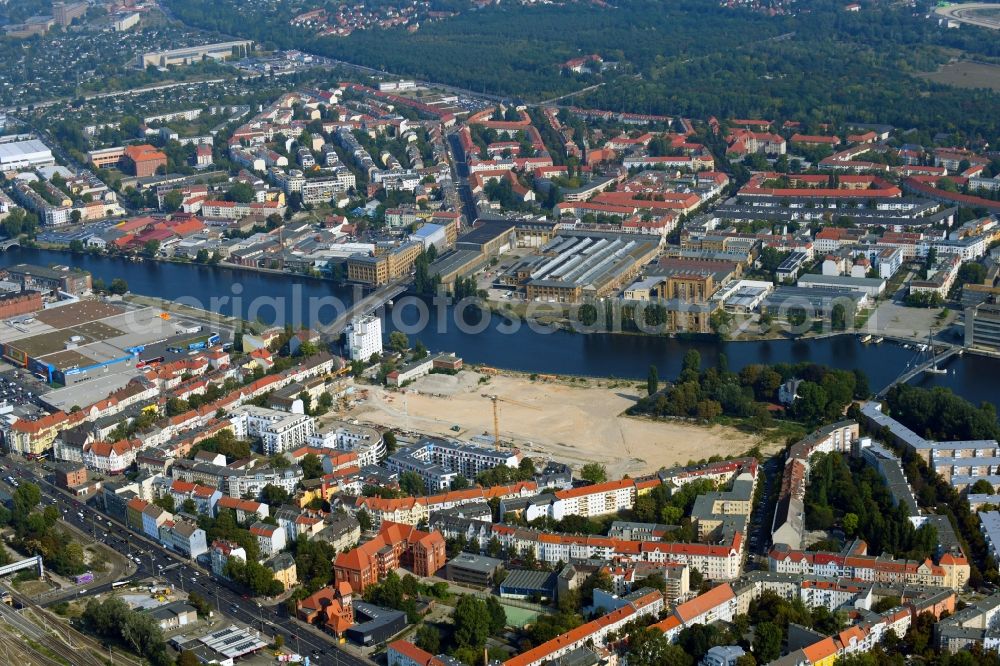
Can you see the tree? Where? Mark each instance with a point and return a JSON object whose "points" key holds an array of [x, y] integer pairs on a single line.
{"points": [[200, 604], [981, 487], [838, 317], [650, 647], [312, 467], [172, 201], [240, 193], [472, 622], [797, 316], [812, 402], [652, 381], [412, 484], [767, 638], [76, 245], [690, 366], [594, 473], [151, 248], [398, 341], [176, 406], [364, 520], [273, 495], [498, 616], [166, 503], [389, 439], [850, 523], [118, 286], [429, 638], [721, 323]]}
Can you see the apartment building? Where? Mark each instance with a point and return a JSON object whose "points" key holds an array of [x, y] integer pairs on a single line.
{"points": [[278, 431], [271, 539], [364, 337], [111, 457], [183, 536], [593, 500], [365, 442], [951, 571], [439, 462], [252, 482]]}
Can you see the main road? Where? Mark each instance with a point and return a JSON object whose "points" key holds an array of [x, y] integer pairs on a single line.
{"points": [[155, 561], [966, 13]]}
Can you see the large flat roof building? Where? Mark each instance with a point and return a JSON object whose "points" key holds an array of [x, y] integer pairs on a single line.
{"points": [[192, 54], [28, 154]]}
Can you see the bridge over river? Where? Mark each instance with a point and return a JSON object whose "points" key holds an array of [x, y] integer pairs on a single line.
{"points": [[931, 364]]}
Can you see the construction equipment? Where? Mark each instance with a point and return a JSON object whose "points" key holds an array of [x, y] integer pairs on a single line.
{"points": [[496, 414]]}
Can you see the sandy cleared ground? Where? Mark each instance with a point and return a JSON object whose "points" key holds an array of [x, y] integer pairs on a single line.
{"points": [[573, 423]]}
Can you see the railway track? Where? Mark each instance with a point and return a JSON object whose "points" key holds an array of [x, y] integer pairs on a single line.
{"points": [[49, 632]]}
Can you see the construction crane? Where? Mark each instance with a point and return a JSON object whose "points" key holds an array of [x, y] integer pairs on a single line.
{"points": [[496, 414]]}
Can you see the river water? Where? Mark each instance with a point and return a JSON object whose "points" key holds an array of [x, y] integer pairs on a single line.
{"points": [[495, 341]]}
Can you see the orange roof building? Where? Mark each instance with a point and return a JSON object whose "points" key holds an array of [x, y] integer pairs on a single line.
{"points": [[143, 160], [395, 545]]}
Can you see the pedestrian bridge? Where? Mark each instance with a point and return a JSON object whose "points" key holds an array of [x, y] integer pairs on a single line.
{"points": [[35, 561]]}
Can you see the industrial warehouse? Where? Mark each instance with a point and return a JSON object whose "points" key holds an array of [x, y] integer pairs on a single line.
{"points": [[88, 341], [576, 265]]}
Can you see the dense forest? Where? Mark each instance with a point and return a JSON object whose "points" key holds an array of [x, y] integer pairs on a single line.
{"points": [[694, 58]]}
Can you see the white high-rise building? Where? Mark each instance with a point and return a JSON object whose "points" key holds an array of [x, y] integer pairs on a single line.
{"points": [[364, 337]]}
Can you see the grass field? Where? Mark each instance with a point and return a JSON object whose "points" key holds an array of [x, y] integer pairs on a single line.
{"points": [[967, 74]]}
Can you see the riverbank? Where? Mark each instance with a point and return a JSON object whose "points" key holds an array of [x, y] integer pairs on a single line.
{"points": [[574, 420], [496, 341]]}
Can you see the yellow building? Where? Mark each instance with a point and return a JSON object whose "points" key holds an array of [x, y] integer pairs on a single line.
{"points": [[383, 268], [283, 567]]}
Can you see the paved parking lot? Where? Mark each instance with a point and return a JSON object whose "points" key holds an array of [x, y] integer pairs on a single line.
{"points": [[21, 390], [80, 233]]}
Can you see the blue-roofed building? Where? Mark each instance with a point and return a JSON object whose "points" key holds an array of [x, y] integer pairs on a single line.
{"points": [[525, 584], [431, 234]]}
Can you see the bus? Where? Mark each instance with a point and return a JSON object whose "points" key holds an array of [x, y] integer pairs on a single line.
{"points": [[195, 344], [149, 362], [119, 583]]}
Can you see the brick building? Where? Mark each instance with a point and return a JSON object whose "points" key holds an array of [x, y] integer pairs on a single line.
{"points": [[13, 304], [395, 545], [143, 160]]}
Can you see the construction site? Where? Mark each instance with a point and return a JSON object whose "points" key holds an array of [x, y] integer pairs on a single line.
{"points": [[548, 418]]}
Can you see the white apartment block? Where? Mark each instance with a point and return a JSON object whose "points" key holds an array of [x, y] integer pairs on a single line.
{"points": [[278, 431], [366, 442], [595, 500], [364, 337], [253, 482]]}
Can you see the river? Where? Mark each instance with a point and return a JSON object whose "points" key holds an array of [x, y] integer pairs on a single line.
{"points": [[491, 340]]}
